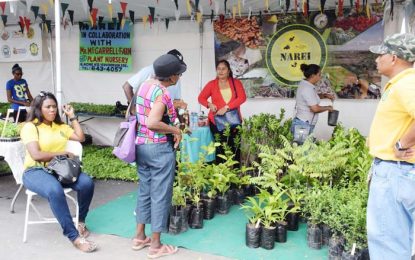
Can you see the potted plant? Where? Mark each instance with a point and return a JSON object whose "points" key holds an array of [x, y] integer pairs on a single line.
{"points": [[241, 180], [176, 212], [253, 208], [294, 207], [209, 202], [9, 132], [313, 208]]}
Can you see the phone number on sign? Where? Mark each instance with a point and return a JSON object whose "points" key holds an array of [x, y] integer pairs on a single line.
{"points": [[108, 68]]}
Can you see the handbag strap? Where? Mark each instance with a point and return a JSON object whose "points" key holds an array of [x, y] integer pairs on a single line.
{"points": [[127, 113]]}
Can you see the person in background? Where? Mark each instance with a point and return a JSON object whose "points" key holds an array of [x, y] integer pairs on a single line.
{"points": [[219, 96], [45, 136], [131, 85], [156, 142], [18, 93], [391, 203], [307, 101]]}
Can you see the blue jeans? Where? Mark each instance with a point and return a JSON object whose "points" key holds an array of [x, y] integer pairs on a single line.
{"points": [[156, 164], [297, 121], [390, 210], [47, 186]]}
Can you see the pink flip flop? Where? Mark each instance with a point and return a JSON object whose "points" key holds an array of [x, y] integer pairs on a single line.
{"points": [[140, 244], [164, 250]]}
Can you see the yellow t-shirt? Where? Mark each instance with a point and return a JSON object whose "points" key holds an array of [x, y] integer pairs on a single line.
{"points": [[226, 94], [51, 139], [394, 115]]}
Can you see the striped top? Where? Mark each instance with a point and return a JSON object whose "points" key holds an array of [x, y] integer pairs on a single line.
{"points": [[152, 91]]}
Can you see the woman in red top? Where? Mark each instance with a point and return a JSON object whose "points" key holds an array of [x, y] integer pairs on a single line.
{"points": [[225, 93]]}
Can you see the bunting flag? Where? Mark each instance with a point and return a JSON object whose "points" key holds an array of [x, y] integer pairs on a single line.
{"points": [[212, 15], [132, 14], [64, 6], [43, 17], [217, 6], [21, 23], [260, 20], [295, 6], [28, 5], [109, 6], [145, 18], [167, 21], [152, 13], [287, 5], [70, 12], [249, 13], [188, 7], [368, 11], [120, 16], [100, 19], [322, 4], [45, 8], [225, 2], [51, 2], [150, 20], [49, 26], [197, 4], [12, 6], [199, 17], [340, 9], [177, 4], [221, 19], [93, 16], [123, 7], [27, 24], [239, 8], [122, 23], [4, 19], [234, 12], [305, 8], [35, 10], [266, 4], [177, 15], [358, 6], [114, 22], [90, 4], [3, 6]]}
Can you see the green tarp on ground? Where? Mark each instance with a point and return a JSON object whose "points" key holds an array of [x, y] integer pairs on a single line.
{"points": [[223, 235]]}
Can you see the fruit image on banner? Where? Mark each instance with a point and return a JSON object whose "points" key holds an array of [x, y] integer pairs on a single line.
{"points": [[292, 46]]}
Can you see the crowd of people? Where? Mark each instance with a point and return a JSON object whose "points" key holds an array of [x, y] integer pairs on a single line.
{"points": [[155, 94]]}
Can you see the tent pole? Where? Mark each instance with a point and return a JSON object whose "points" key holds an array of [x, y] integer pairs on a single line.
{"points": [[58, 52], [200, 58]]}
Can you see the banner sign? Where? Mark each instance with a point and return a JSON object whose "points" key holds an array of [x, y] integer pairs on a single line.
{"points": [[17, 46], [265, 52], [290, 47], [106, 48]]}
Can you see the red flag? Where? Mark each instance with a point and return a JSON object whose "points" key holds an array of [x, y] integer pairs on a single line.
{"points": [[94, 14], [27, 23], [340, 14], [3, 6], [123, 7], [357, 6], [21, 23]]}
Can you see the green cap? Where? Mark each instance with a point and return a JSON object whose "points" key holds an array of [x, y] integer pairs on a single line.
{"points": [[401, 45]]}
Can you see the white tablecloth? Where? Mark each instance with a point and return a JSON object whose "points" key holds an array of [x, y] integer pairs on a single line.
{"points": [[13, 153]]}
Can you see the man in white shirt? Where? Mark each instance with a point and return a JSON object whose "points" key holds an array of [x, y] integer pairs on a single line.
{"points": [[131, 85]]}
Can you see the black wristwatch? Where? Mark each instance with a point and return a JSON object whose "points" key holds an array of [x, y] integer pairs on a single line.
{"points": [[73, 118], [399, 147]]}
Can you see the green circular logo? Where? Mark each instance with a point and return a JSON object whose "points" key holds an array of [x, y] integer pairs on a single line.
{"points": [[292, 46]]}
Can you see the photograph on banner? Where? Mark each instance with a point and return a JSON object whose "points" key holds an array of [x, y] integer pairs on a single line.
{"points": [[105, 48], [266, 51], [17, 45]]}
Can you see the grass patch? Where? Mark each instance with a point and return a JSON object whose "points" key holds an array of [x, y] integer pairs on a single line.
{"points": [[100, 163]]}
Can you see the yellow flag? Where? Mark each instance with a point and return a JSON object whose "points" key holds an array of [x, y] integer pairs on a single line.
{"points": [[122, 23], [189, 7], [239, 8], [45, 8], [90, 19], [266, 3], [51, 2], [145, 18], [234, 11], [368, 11], [199, 17], [110, 10]]}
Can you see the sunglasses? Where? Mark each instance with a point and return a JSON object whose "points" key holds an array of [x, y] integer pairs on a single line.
{"points": [[44, 94]]}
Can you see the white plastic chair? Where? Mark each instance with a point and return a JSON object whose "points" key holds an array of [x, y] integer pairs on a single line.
{"points": [[18, 113], [75, 148]]}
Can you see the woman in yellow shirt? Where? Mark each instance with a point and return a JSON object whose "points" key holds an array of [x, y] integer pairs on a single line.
{"points": [[45, 136]]}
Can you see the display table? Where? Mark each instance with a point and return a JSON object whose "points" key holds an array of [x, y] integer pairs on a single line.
{"points": [[191, 145], [14, 153]]}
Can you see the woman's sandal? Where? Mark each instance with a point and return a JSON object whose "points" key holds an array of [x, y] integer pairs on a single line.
{"points": [[83, 230], [164, 250], [140, 244], [84, 245]]}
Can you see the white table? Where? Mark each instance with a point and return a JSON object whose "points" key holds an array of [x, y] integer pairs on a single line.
{"points": [[14, 153]]}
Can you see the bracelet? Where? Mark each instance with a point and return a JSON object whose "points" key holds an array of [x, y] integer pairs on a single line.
{"points": [[73, 118]]}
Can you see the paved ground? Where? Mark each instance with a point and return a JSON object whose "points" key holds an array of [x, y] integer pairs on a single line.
{"points": [[47, 242]]}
